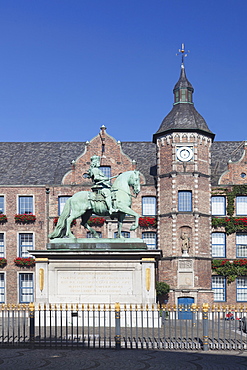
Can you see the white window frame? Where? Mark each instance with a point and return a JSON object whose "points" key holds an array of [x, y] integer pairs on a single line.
{"points": [[3, 288], [106, 170], [61, 205], [90, 235], [19, 286], [4, 211], [4, 245], [241, 245], [241, 289], [151, 242], [241, 205], [19, 254], [219, 291], [18, 203], [218, 205], [149, 205], [218, 244], [125, 234]]}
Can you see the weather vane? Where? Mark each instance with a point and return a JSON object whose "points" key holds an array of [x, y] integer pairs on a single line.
{"points": [[183, 52]]}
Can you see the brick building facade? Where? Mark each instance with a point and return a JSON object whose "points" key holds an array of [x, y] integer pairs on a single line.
{"points": [[180, 171]]}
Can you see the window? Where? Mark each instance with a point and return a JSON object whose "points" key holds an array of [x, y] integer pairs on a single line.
{"points": [[25, 244], [26, 288], [2, 288], [184, 201], [61, 203], [25, 205], [90, 235], [149, 206], [241, 205], [242, 289], [150, 240], [218, 245], [125, 234], [241, 244], [106, 170], [218, 206], [219, 288], [1, 204], [2, 247]]}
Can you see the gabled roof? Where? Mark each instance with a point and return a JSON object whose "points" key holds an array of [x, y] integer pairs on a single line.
{"points": [[221, 153], [47, 163]]}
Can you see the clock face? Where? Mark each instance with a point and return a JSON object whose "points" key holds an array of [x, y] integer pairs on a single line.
{"points": [[184, 153]]}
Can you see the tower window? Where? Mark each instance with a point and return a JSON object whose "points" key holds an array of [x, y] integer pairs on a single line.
{"points": [[184, 201]]}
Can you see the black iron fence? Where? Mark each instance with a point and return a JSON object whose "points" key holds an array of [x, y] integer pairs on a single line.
{"points": [[124, 326]]}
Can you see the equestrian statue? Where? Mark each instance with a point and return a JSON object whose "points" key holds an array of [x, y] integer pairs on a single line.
{"points": [[104, 200]]}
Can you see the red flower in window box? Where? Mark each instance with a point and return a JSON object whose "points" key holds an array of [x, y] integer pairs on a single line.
{"points": [[147, 222], [22, 262], [3, 262], [96, 221], [55, 221], [3, 218], [25, 218]]}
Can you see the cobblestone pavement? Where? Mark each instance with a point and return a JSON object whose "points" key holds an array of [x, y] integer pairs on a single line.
{"points": [[27, 359]]}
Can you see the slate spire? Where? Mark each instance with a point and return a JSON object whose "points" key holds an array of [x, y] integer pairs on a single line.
{"points": [[183, 116]]}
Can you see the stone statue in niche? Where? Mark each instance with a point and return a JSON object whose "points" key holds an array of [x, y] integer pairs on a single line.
{"points": [[185, 237]]}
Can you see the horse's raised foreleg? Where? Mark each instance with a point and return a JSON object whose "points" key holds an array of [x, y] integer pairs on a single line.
{"points": [[127, 210]]}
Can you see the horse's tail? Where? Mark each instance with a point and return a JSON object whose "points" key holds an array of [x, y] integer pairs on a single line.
{"points": [[61, 224]]}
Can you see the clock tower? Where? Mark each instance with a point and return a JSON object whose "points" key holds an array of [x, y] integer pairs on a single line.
{"points": [[183, 195]]}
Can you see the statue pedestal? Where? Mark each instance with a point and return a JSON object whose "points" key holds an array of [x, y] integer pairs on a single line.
{"points": [[96, 271]]}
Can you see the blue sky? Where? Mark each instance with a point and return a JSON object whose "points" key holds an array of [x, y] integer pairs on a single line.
{"points": [[69, 66]]}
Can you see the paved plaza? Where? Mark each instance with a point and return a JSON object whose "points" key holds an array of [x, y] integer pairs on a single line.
{"points": [[27, 359]]}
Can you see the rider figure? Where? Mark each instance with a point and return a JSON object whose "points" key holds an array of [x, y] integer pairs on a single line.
{"points": [[100, 180]]}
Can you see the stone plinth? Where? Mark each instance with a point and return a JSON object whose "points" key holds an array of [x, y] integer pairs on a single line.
{"points": [[97, 271]]}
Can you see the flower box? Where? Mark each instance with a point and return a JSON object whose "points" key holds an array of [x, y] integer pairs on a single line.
{"points": [[24, 262], [147, 222], [3, 218], [55, 221], [96, 221], [3, 262], [25, 218], [230, 269], [231, 224]]}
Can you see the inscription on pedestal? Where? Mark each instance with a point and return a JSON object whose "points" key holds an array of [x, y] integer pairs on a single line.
{"points": [[94, 282]]}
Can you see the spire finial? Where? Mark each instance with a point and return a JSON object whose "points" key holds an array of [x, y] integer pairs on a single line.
{"points": [[183, 52]]}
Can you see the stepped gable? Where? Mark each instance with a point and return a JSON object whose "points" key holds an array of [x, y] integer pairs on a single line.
{"points": [[221, 153], [46, 163]]}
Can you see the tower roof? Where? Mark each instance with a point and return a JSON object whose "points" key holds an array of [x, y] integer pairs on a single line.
{"points": [[183, 116]]}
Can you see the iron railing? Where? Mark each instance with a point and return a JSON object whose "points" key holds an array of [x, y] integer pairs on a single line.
{"points": [[124, 326]]}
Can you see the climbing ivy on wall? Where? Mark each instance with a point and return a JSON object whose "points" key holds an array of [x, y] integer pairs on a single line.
{"points": [[231, 224]]}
